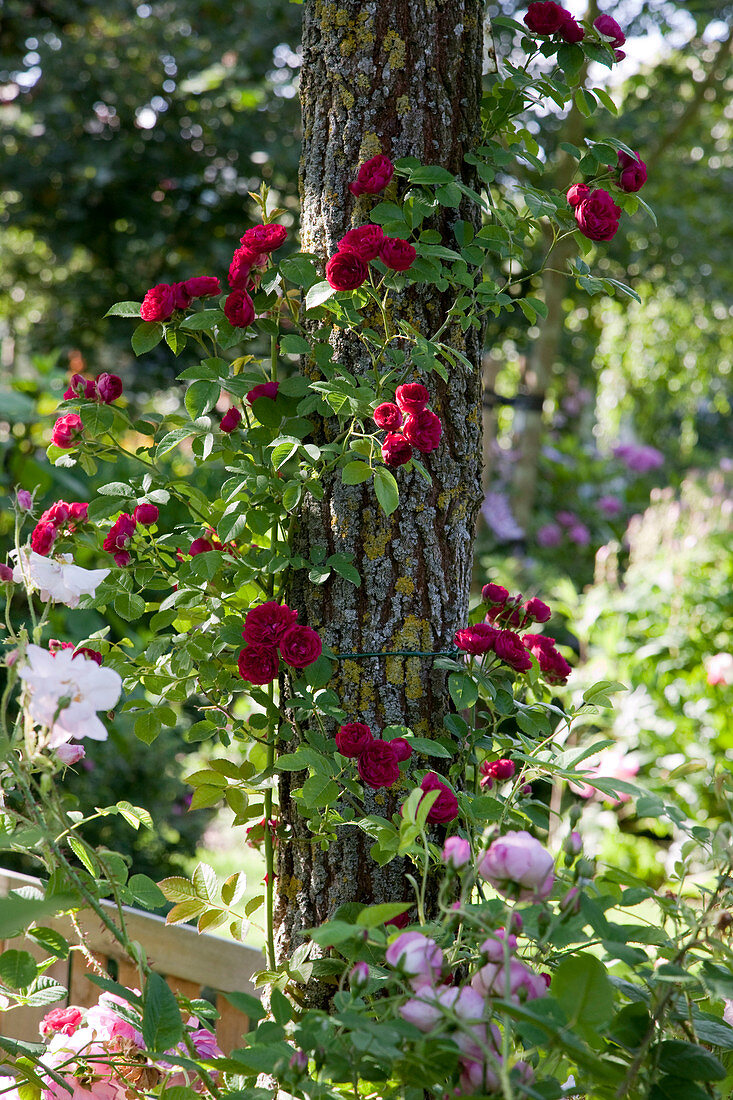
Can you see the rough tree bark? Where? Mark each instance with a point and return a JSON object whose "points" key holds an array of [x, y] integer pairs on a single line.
{"points": [[401, 77]]}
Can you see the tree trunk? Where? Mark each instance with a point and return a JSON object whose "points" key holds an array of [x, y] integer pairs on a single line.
{"points": [[401, 77]]}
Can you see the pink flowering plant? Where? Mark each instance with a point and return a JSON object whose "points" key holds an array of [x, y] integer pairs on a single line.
{"points": [[518, 977]]}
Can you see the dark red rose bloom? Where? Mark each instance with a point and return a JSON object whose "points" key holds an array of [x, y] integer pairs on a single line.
{"points": [[123, 558], [607, 26], [202, 286], [619, 55], [300, 646], [571, 31], [400, 921], [412, 397], [377, 765], [632, 172], [552, 664], [353, 738], [577, 193], [265, 389], [78, 513], [264, 238], [67, 431], [508, 647], [200, 546], [536, 611], [373, 176], [495, 594], [364, 241], [182, 297], [239, 309], [81, 387], [120, 533], [266, 623], [491, 770], [445, 807], [423, 430], [388, 417], [243, 260], [477, 639], [258, 663], [6, 574], [43, 537], [146, 514], [396, 451], [159, 303], [346, 271], [109, 387], [231, 420], [598, 216], [402, 747], [397, 254], [544, 17], [92, 654]]}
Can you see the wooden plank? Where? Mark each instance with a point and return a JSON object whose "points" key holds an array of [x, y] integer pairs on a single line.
{"points": [[82, 992], [230, 1027]]}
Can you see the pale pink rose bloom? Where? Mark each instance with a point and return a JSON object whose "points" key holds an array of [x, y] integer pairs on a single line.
{"points": [[106, 1024], [56, 579], [70, 754], [613, 763], [516, 982], [517, 860], [719, 669], [456, 852], [51, 677], [494, 948], [417, 956], [478, 1077], [728, 1011], [423, 1010]]}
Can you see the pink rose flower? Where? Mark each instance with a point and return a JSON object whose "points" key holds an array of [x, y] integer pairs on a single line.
{"points": [[719, 669], [632, 172], [423, 430], [614, 763], [377, 765], [445, 807], [300, 646], [397, 254], [25, 500], [267, 623], [346, 271], [231, 420], [265, 389], [477, 639], [43, 537], [499, 770], [353, 738], [258, 663], [498, 942], [517, 865], [607, 26], [396, 450], [146, 514], [598, 216], [544, 17], [67, 431], [364, 241], [373, 176], [412, 397], [577, 193], [81, 387], [158, 303], [239, 309], [120, 533], [388, 417], [264, 238], [456, 852], [417, 956], [63, 1021], [202, 286]]}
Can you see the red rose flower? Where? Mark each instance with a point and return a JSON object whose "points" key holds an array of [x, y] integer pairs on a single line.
{"points": [[258, 663], [159, 303], [364, 241], [266, 623], [202, 286], [477, 639], [397, 254], [43, 537], [632, 172], [243, 260], [91, 654], [6, 574], [388, 417], [200, 546], [607, 26], [60, 1021], [552, 664], [544, 17], [108, 387], [182, 297], [146, 514], [122, 558], [81, 387], [445, 807], [353, 738], [239, 309], [495, 594], [373, 176], [577, 193], [377, 765], [495, 769], [231, 420], [412, 397], [346, 271], [264, 238], [300, 646], [508, 647], [400, 921], [570, 30], [265, 389], [423, 430], [396, 450], [536, 611], [402, 748], [78, 513], [67, 431], [120, 534], [598, 216], [58, 514]]}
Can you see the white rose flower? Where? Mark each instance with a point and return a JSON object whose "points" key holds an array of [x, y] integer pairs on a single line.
{"points": [[56, 579], [64, 693]]}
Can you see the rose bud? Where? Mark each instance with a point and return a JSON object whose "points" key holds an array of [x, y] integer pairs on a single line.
{"points": [[230, 421], [146, 514]]}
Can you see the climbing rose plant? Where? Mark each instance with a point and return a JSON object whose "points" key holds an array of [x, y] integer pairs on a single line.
{"points": [[540, 974]]}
